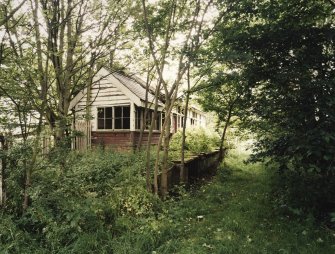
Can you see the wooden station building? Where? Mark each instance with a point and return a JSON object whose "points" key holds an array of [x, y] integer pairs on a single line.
{"points": [[117, 104]]}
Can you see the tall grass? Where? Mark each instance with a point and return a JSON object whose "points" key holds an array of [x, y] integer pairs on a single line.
{"points": [[100, 205], [235, 214]]}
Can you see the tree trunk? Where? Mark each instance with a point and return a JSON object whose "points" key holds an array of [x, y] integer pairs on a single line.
{"points": [[30, 167], [4, 147], [140, 139], [183, 140], [152, 125], [164, 178], [143, 126], [157, 162], [223, 136]]}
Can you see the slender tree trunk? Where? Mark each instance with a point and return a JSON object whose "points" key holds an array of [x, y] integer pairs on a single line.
{"points": [[43, 96], [183, 140], [223, 136], [143, 126], [140, 139], [166, 127], [159, 145], [32, 164], [88, 116], [4, 147], [164, 179], [148, 152]]}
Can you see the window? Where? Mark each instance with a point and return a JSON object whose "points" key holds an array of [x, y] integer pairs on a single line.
{"points": [[105, 118], [114, 118], [139, 115], [179, 122], [157, 124], [122, 117]]}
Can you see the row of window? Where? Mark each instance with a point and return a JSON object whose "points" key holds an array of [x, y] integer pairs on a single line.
{"points": [[118, 117], [114, 118], [149, 118]]}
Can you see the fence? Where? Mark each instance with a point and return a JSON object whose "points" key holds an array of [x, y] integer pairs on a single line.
{"points": [[83, 141], [195, 168]]}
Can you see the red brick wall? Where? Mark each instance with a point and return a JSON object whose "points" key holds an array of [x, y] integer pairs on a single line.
{"points": [[121, 139], [154, 139], [112, 139]]}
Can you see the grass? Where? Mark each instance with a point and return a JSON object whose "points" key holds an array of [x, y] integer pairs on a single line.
{"points": [[110, 211], [231, 214]]}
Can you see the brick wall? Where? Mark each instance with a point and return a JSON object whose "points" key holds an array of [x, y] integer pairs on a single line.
{"points": [[121, 139]]}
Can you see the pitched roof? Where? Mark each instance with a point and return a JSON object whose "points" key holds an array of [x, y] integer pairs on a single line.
{"points": [[136, 86], [133, 84]]}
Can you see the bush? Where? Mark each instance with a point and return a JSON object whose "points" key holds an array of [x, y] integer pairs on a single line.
{"points": [[80, 208], [305, 193], [198, 140]]}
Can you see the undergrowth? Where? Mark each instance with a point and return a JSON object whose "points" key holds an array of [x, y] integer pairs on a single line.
{"points": [[234, 213], [99, 205]]}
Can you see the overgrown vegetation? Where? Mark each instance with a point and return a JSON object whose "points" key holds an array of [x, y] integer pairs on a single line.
{"points": [[198, 140], [99, 204], [267, 64], [235, 213], [77, 209], [281, 56]]}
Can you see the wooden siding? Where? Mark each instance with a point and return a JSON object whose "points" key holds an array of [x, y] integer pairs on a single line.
{"points": [[104, 94], [82, 143]]}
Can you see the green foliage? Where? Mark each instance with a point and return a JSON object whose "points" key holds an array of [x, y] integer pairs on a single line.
{"points": [[284, 52], [231, 214], [222, 93], [100, 205], [17, 160], [198, 140], [79, 209]]}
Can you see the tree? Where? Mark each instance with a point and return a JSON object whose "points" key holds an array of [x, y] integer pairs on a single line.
{"points": [[75, 40], [50, 56], [6, 15], [285, 50], [223, 93], [172, 20]]}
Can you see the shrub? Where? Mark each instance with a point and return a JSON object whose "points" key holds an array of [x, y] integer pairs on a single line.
{"points": [[305, 193], [78, 209], [198, 140]]}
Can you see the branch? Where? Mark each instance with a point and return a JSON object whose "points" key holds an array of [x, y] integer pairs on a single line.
{"points": [[332, 2], [11, 14]]}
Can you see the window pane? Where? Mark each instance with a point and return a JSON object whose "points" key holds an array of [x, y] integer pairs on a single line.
{"points": [[109, 112], [118, 123], [163, 118], [118, 112], [148, 119], [158, 121], [109, 124], [126, 111], [101, 112], [101, 124], [126, 123], [138, 123]]}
